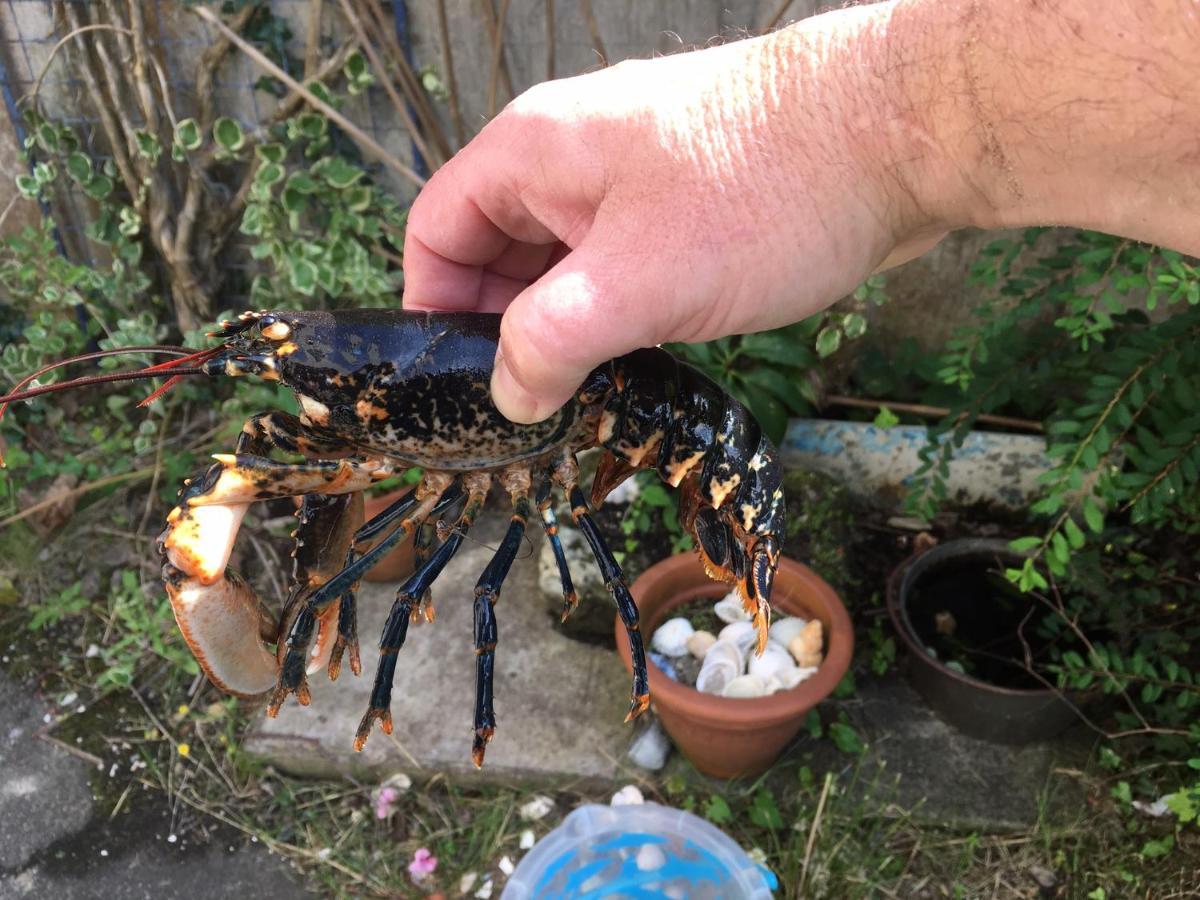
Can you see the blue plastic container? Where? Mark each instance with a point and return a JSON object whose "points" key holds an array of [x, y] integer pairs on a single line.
{"points": [[643, 852]]}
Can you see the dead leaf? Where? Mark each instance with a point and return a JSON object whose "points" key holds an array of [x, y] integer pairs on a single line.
{"points": [[60, 501]]}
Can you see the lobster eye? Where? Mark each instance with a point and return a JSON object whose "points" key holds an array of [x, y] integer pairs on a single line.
{"points": [[276, 331]]}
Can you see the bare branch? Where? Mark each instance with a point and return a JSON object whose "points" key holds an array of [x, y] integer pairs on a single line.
{"points": [[385, 79]]}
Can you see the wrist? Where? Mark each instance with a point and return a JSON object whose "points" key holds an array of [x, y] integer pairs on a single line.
{"points": [[1010, 114], [863, 78]]}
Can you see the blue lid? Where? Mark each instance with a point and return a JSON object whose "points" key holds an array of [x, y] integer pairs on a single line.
{"points": [[634, 852]]}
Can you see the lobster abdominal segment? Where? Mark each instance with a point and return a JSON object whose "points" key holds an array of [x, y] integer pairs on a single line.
{"points": [[380, 391]]}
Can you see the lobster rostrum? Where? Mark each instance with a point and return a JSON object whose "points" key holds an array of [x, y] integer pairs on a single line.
{"points": [[381, 391]]}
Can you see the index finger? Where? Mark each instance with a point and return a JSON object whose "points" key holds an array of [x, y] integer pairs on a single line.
{"points": [[463, 220]]}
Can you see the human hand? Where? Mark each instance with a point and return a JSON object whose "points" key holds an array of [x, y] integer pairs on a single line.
{"points": [[746, 186], [682, 198]]}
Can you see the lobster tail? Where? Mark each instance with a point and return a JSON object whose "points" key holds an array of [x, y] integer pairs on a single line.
{"points": [[656, 411]]}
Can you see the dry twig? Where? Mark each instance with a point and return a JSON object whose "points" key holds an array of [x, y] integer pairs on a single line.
{"points": [[451, 81], [594, 30]]}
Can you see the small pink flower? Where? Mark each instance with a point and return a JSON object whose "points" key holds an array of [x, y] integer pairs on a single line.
{"points": [[422, 866], [385, 802]]}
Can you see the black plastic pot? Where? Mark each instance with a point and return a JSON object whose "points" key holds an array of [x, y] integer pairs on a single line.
{"points": [[1001, 714]]}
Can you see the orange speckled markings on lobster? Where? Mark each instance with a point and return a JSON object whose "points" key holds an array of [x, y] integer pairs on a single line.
{"points": [[380, 391]]}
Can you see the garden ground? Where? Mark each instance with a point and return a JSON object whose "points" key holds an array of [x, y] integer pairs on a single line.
{"points": [[147, 785]]}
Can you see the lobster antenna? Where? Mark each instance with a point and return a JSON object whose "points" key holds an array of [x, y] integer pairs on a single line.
{"points": [[97, 354], [89, 380], [174, 366]]}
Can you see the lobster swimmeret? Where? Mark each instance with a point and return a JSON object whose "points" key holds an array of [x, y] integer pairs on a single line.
{"points": [[384, 390]]}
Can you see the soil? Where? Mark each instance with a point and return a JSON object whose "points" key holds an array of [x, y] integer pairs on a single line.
{"points": [[977, 622]]}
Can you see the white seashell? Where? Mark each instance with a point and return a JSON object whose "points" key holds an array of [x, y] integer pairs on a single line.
{"points": [[743, 634], [787, 679], [670, 638], [650, 748], [538, 807], [650, 857], [627, 796], [699, 642], [528, 839], [784, 631], [744, 687], [731, 609], [773, 661], [722, 663]]}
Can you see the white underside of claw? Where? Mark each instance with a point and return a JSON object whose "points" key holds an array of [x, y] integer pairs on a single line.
{"points": [[220, 623]]}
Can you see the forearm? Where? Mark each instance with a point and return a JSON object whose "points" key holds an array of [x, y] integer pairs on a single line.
{"points": [[1012, 113]]}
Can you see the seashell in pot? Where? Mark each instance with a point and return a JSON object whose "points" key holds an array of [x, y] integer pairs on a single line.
{"points": [[785, 630], [671, 637], [741, 633], [730, 608], [699, 643], [787, 679], [806, 646], [722, 737], [774, 661], [722, 663], [744, 687]]}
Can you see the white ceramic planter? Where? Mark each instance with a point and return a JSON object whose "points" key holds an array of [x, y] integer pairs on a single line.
{"points": [[878, 463]]}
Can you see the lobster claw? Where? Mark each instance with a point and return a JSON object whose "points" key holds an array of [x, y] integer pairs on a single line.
{"points": [[223, 624]]}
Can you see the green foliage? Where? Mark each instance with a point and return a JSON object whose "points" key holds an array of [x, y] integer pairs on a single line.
{"points": [[775, 373], [653, 510], [716, 810], [1096, 338], [845, 738], [317, 224], [321, 232], [53, 307], [53, 609], [141, 628], [1068, 338], [883, 648]]}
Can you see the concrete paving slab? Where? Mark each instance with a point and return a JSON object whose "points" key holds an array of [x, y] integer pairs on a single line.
{"points": [[560, 704], [918, 762], [44, 792], [52, 846]]}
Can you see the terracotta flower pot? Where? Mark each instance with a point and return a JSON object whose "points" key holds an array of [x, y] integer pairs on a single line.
{"points": [[731, 738], [399, 563]]}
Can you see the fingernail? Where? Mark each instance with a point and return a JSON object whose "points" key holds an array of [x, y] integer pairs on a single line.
{"points": [[514, 402]]}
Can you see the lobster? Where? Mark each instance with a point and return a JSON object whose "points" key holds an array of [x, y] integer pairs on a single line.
{"points": [[381, 391]]}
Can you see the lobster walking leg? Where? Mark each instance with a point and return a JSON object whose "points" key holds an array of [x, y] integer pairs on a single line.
{"points": [[292, 672], [614, 580], [347, 635], [487, 592], [347, 627], [422, 545], [395, 630], [550, 526]]}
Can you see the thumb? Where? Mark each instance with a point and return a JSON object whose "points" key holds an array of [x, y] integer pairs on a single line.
{"points": [[576, 316]]}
